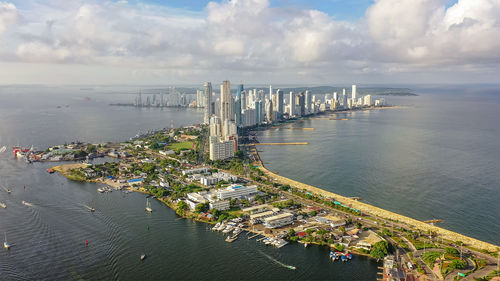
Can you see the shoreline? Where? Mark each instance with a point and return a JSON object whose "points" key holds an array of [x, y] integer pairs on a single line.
{"points": [[379, 212]]}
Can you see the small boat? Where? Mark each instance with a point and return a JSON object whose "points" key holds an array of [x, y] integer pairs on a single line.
{"points": [[9, 191], [349, 255], [92, 209], [100, 190], [143, 256], [50, 170], [26, 203], [305, 245], [291, 267], [216, 226], [148, 206], [6, 244], [343, 258], [3, 205]]}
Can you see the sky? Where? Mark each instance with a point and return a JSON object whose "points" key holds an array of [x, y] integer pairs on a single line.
{"points": [[327, 42]]}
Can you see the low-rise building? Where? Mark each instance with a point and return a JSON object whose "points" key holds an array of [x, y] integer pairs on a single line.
{"points": [[195, 171], [220, 205], [195, 197], [236, 191], [278, 220]]}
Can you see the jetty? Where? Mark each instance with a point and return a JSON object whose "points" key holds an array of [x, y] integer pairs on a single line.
{"points": [[279, 143]]}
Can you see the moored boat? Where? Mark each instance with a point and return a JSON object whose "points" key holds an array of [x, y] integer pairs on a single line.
{"points": [[3, 205]]}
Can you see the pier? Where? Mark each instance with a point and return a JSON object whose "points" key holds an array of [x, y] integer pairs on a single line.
{"points": [[279, 143]]}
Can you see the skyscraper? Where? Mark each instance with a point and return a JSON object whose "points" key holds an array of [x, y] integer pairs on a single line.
{"points": [[354, 93], [237, 105], [208, 102], [308, 103], [270, 92], [243, 100], [292, 105], [302, 103], [226, 106], [280, 105]]}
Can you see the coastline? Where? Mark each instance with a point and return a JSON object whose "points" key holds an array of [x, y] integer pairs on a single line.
{"points": [[382, 213]]}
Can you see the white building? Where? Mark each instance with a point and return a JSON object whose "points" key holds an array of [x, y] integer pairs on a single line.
{"points": [[278, 220], [220, 205], [367, 100], [221, 149], [195, 197], [353, 94], [195, 171], [236, 191]]}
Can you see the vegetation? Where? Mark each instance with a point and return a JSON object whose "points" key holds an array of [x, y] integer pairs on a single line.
{"points": [[178, 146], [430, 257], [380, 250]]}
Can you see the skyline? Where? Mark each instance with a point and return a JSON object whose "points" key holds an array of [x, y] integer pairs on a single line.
{"points": [[253, 42]]}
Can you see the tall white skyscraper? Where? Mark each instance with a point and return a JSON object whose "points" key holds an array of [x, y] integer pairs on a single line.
{"points": [[308, 102], [270, 92], [292, 104], [335, 98], [226, 103], [354, 93], [208, 102]]}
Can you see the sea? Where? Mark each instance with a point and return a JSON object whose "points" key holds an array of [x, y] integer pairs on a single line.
{"points": [[435, 157], [49, 236]]}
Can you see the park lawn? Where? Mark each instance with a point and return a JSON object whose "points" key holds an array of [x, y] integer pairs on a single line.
{"points": [[178, 146]]}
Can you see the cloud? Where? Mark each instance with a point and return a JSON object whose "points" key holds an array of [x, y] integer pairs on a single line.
{"points": [[424, 32], [251, 38], [8, 15]]}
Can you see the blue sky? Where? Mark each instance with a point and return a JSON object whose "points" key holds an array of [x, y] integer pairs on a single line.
{"points": [[350, 10]]}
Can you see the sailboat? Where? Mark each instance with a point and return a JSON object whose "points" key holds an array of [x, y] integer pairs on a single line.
{"points": [[6, 244], [148, 206]]}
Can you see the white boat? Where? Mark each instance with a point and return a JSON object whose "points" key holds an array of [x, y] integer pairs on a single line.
{"points": [[221, 227], [8, 191], [100, 190], [227, 229], [237, 231], [216, 226], [6, 244], [143, 256], [26, 203], [148, 206], [3, 205]]}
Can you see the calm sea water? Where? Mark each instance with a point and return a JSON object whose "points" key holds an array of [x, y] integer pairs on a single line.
{"points": [[439, 158], [48, 238]]}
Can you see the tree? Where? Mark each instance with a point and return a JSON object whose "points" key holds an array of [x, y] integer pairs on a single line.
{"points": [[458, 264], [291, 232], [341, 229], [452, 251], [359, 225], [181, 208], [202, 208], [380, 250], [239, 154]]}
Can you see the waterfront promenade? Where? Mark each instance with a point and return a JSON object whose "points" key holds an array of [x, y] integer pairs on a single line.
{"points": [[381, 213]]}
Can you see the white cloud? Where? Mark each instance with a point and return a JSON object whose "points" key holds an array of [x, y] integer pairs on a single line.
{"points": [[8, 15], [252, 40]]}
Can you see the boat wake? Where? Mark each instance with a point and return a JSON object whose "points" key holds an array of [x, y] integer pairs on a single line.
{"points": [[278, 262], [3, 148]]}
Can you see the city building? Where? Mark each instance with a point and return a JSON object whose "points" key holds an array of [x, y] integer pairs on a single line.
{"points": [[221, 149], [278, 220], [280, 106], [236, 191], [353, 94], [220, 205], [208, 102]]}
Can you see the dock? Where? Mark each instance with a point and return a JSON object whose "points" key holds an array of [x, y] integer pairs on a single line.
{"points": [[253, 236], [280, 143], [297, 128]]}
